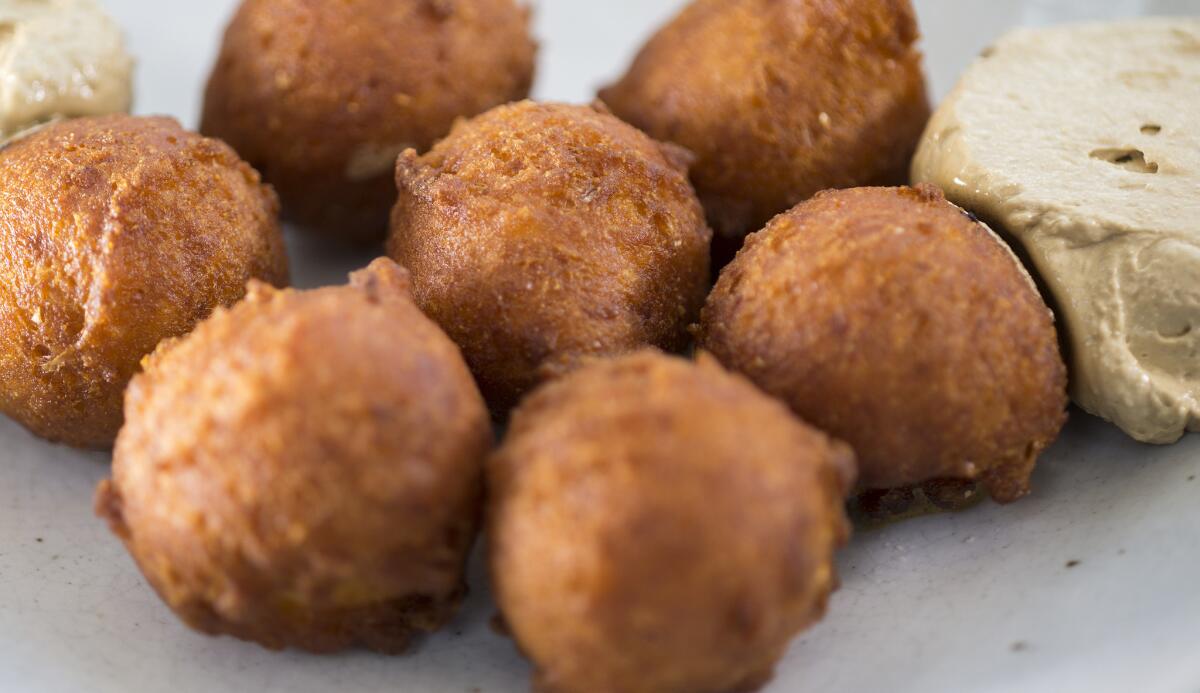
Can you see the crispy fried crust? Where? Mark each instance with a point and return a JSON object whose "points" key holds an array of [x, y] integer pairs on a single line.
{"points": [[890, 319], [780, 99], [115, 233], [305, 470], [641, 541], [538, 234], [322, 96]]}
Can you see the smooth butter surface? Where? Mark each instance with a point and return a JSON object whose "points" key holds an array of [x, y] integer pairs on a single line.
{"points": [[59, 58], [1082, 143]]}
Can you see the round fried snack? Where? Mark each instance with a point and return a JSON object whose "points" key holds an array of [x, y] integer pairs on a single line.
{"points": [[890, 319], [538, 234], [660, 526], [323, 96], [780, 99], [115, 233], [305, 469]]}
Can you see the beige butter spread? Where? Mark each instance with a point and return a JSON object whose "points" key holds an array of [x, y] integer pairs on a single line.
{"points": [[59, 58], [1083, 144]]}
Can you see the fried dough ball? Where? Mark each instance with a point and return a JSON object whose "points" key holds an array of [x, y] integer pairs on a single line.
{"points": [[780, 99], [305, 469], [538, 234], [115, 233], [323, 96], [892, 320], [661, 526]]}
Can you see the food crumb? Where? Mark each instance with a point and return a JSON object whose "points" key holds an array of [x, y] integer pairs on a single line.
{"points": [[499, 626]]}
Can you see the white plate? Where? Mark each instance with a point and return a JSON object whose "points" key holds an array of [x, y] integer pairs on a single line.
{"points": [[979, 601]]}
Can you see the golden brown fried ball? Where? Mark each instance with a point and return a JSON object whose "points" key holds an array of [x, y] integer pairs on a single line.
{"points": [[660, 526], [115, 233], [780, 99], [538, 234], [322, 96], [890, 319], [305, 470]]}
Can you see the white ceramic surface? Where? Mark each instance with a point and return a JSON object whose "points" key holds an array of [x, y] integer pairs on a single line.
{"points": [[987, 600]]}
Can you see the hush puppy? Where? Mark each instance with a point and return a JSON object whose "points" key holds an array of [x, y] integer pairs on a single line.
{"points": [[538, 234], [322, 96], [660, 526], [780, 99], [115, 233], [305, 469], [890, 319]]}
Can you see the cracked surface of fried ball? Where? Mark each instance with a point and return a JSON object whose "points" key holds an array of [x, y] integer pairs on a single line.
{"points": [[780, 99], [661, 526], [305, 469], [115, 233], [539, 234], [890, 319], [322, 96]]}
